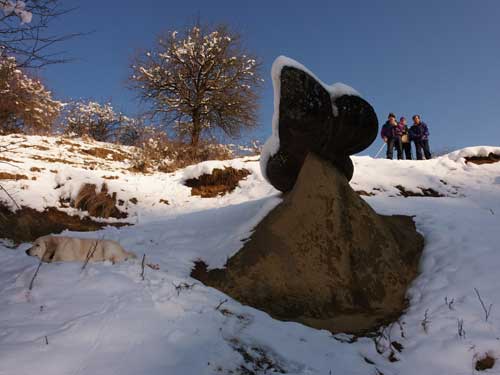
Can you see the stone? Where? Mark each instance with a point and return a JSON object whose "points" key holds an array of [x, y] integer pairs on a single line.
{"points": [[307, 123], [323, 257]]}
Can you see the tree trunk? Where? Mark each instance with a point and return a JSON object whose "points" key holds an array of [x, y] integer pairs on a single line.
{"points": [[195, 130]]}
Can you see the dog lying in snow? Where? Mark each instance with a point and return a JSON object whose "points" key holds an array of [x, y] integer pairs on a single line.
{"points": [[68, 249]]}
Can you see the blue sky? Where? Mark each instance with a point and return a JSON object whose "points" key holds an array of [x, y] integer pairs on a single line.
{"points": [[440, 59]]}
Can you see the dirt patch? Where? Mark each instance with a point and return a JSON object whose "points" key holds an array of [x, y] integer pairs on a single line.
{"points": [[104, 153], [36, 147], [98, 204], [218, 183], [485, 363], [425, 192], [7, 160], [364, 193], [491, 158], [36, 169], [27, 224], [10, 176], [66, 142], [110, 177], [52, 160]]}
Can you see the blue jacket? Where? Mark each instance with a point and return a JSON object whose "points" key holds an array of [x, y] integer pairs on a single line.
{"points": [[419, 132]]}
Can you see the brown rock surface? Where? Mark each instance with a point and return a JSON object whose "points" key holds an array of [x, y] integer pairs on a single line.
{"points": [[324, 258]]}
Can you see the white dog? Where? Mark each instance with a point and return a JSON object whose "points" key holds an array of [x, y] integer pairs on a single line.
{"points": [[67, 249]]}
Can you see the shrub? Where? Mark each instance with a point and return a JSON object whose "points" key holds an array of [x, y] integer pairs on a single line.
{"points": [[26, 106]]}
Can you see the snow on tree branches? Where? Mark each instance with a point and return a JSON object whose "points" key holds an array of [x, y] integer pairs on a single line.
{"points": [[98, 121], [24, 31], [25, 104], [200, 82], [18, 8]]}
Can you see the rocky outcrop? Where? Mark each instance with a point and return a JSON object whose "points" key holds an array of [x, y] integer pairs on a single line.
{"points": [[324, 257], [307, 123]]}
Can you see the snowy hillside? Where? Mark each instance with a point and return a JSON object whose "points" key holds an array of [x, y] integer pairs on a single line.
{"points": [[105, 319]]}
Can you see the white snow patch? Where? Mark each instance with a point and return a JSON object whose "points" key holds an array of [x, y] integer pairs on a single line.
{"points": [[107, 320]]}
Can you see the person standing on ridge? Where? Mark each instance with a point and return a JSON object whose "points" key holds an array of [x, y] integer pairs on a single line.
{"points": [[419, 134], [391, 134], [405, 138]]}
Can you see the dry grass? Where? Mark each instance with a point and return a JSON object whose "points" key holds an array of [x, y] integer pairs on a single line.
{"points": [[168, 156], [105, 153], [98, 204], [218, 183]]}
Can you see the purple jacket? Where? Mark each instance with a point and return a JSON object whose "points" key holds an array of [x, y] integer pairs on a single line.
{"points": [[391, 131], [398, 130], [419, 132]]}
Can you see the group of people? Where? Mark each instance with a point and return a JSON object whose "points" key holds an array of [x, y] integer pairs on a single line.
{"points": [[398, 136]]}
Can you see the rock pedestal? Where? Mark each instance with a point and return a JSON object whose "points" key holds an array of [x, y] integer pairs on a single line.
{"points": [[324, 257]]}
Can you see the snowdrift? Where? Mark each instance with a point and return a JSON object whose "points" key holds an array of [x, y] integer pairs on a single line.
{"points": [[107, 319]]}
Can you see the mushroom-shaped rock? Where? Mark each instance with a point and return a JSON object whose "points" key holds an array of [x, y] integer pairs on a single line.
{"points": [[323, 256], [331, 121]]}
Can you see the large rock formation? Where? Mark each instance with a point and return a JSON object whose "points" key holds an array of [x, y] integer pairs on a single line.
{"points": [[323, 257], [312, 120]]}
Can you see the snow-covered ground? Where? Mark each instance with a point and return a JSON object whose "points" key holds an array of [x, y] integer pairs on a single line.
{"points": [[107, 320]]}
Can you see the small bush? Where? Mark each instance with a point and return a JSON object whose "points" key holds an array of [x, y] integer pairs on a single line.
{"points": [[158, 152], [98, 204]]}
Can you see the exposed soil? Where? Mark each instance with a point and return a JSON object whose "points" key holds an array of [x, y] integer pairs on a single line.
{"points": [[491, 158], [27, 224], [36, 147], [485, 363], [66, 142], [218, 183], [98, 204], [3, 158], [425, 192], [10, 176], [36, 169], [365, 193], [53, 160], [104, 153]]}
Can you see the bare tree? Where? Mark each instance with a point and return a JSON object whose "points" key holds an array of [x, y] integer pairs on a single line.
{"points": [[25, 104], [199, 82], [24, 31]]}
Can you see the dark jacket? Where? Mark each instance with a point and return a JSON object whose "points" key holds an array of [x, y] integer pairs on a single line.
{"points": [[387, 130], [419, 132]]}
